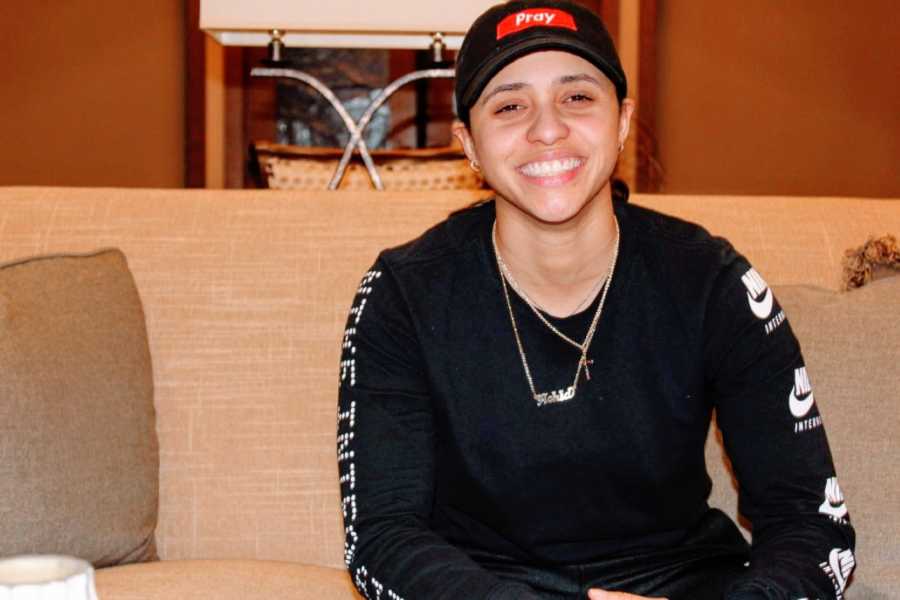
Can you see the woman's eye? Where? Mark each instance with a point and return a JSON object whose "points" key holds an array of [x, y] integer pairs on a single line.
{"points": [[508, 108], [578, 98]]}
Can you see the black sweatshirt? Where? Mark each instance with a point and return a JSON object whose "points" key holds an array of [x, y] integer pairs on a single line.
{"points": [[455, 482]]}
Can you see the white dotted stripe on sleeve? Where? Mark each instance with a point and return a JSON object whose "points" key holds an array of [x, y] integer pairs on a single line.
{"points": [[347, 472], [366, 584], [348, 358], [377, 591]]}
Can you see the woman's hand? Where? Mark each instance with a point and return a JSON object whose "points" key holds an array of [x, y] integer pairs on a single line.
{"points": [[598, 594]]}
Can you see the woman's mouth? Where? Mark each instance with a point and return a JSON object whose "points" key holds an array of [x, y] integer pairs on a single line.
{"points": [[552, 172]]}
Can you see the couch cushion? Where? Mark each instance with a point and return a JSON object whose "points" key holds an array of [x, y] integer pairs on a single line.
{"points": [[224, 580], [851, 344], [78, 450]]}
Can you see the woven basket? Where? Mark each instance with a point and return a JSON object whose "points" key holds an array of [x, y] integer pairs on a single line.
{"points": [[298, 168]]}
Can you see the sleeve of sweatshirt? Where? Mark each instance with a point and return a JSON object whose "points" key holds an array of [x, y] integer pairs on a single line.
{"points": [[386, 461], [773, 432]]}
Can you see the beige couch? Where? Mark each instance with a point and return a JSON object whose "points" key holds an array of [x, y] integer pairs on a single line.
{"points": [[246, 294]]}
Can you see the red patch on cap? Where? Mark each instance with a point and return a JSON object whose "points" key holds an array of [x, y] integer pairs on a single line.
{"points": [[535, 17]]}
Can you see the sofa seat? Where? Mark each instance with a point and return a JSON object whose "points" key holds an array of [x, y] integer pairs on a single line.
{"points": [[223, 580]]}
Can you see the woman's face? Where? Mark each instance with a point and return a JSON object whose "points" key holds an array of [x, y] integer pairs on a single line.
{"points": [[546, 132]]}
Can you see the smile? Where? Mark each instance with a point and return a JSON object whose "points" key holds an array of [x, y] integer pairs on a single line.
{"points": [[550, 168]]}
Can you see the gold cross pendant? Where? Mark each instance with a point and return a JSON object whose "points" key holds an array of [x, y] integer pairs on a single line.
{"points": [[586, 362]]}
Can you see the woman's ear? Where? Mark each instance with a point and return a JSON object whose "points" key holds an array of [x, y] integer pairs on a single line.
{"points": [[461, 132], [625, 112]]}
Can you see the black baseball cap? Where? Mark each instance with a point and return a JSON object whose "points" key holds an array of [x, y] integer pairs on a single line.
{"points": [[513, 29]]}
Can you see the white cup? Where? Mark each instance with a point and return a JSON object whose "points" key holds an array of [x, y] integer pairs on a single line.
{"points": [[46, 577]]}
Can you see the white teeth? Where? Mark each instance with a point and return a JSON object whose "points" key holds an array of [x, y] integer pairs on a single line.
{"points": [[550, 168]]}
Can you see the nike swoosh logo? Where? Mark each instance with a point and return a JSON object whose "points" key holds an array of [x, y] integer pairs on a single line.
{"points": [[841, 563], [799, 407], [761, 308]]}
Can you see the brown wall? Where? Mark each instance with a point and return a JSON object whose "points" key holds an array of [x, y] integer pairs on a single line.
{"points": [[92, 93], [771, 97]]}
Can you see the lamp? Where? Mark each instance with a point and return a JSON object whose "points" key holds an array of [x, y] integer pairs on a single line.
{"points": [[401, 24], [397, 24]]}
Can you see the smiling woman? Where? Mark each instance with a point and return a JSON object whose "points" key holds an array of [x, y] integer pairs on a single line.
{"points": [[526, 388]]}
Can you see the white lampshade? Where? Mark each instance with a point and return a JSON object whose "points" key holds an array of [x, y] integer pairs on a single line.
{"points": [[341, 23], [46, 577]]}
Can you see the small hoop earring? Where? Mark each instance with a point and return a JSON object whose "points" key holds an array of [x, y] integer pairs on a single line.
{"points": [[621, 147], [475, 166]]}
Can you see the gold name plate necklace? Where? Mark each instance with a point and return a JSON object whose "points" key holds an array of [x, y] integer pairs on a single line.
{"points": [[560, 395]]}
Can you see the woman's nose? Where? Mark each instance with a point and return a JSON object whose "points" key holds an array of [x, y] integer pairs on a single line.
{"points": [[548, 127]]}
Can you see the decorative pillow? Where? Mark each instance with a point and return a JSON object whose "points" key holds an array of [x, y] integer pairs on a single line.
{"points": [[79, 462], [307, 168], [851, 345]]}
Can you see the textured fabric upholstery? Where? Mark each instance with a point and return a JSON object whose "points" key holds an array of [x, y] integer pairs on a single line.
{"points": [[78, 450], [223, 580], [852, 346], [246, 294], [789, 240]]}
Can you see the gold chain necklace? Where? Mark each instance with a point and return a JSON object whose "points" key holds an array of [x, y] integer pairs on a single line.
{"points": [[590, 296], [534, 305], [531, 303], [568, 393]]}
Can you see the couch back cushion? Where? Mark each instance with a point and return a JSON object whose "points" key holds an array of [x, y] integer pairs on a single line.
{"points": [[851, 345], [246, 295], [78, 448]]}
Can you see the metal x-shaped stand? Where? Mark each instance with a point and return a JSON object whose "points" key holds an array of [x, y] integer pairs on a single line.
{"points": [[356, 129]]}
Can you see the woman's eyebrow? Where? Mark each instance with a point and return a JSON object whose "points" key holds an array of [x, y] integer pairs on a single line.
{"points": [[506, 87], [579, 77]]}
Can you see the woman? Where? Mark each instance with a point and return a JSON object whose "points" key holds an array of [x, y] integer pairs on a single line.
{"points": [[526, 388]]}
